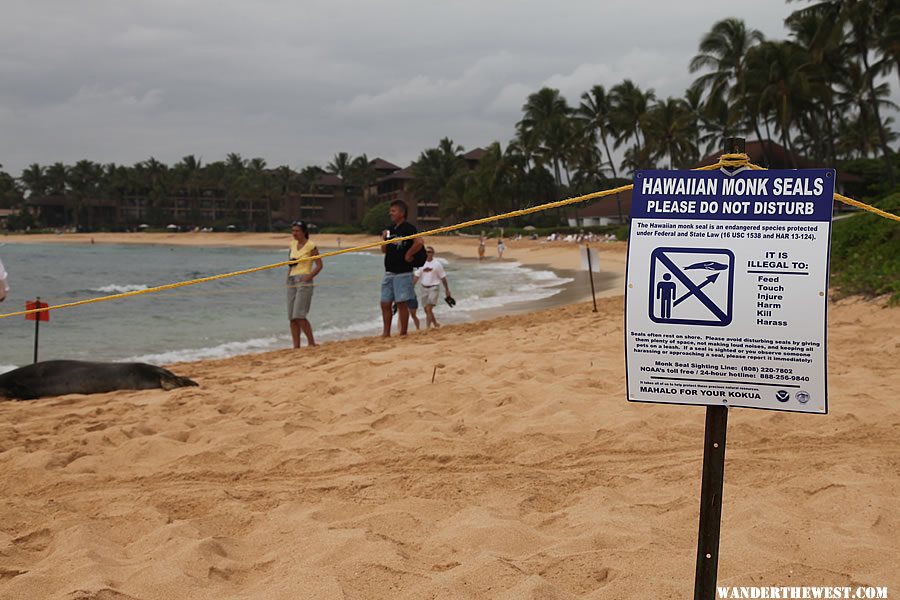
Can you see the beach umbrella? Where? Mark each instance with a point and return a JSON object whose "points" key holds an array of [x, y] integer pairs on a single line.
{"points": [[143, 226], [172, 227]]}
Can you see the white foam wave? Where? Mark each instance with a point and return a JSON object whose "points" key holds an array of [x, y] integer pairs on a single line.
{"points": [[115, 288], [348, 331], [500, 266], [220, 351], [369, 254], [7, 368], [545, 276], [476, 303]]}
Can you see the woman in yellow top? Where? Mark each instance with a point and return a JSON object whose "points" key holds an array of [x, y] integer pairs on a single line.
{"points": [[300, 282]]}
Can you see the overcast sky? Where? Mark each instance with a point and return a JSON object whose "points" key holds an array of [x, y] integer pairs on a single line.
{"points": [[296, 82]]}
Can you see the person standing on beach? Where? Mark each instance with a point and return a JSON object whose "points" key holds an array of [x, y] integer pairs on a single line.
{"points": [[397, 285], [481, 244], [4, 287], [432, 275], [501, 247], [300, 282]]}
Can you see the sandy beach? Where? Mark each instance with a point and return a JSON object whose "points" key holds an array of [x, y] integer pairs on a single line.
{"points": [[497, 459]]}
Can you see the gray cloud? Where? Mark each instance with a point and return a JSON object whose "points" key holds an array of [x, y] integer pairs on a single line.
{"points": [[295, 83]]}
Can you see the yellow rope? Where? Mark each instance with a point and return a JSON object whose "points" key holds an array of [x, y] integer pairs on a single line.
{"points": [[867, 207], [473, 223], [742, 160], [730, 161]]}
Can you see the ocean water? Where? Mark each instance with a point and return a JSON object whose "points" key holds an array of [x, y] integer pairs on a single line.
{"points": [[240, 315]]}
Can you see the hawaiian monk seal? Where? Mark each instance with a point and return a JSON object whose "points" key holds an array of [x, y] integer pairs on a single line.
{"points": [[60, 377]]}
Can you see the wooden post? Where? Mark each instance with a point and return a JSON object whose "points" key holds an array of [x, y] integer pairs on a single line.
{"points": [[37, 326], [591, 275], [713, 479]]}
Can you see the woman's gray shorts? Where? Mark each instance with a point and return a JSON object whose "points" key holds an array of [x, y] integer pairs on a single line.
{"points": [[299, 297]]}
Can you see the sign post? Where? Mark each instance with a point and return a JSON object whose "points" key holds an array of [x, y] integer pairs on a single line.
{"points": [[725, 305], [37, 318], [590, 269]]}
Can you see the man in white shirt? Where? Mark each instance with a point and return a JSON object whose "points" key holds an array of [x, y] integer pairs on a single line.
{"points": [[4, 287], [432, 275]]}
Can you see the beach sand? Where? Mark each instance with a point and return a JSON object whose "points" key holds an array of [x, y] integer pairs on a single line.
{"points": [[520, 471]]}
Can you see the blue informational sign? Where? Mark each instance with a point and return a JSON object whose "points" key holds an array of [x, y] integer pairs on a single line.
{"points": [[726, 288]]}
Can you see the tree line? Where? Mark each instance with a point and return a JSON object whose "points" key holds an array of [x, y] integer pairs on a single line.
{"points": [[824, 92]]}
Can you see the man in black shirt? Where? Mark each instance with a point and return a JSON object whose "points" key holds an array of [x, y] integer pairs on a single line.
{"points": [[397, 285]]}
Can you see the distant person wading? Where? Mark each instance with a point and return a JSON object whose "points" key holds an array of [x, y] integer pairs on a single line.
{"points": [[397, 285], [300, 283]]}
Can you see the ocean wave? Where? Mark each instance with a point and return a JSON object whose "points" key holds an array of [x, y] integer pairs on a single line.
{"points": [[7, 368], [225, 350], [347, 331], [500, 266], [115, 288], [476, 302], [546, 276], [356, 253]]}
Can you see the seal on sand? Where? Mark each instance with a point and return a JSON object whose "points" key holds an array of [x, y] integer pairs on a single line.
{"points": [[59, 377]]}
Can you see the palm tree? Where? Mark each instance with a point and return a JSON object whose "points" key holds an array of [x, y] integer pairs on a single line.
{"points": [[254, 186], [492, 182], [341, 165], [546, 118], [785, 85], [434, 169], [362, 173], [851, 94], [450, 149], [888, 41], [84, 178], [188, 173], [719, 119], [723, 52], [155, 179], [10, 193], [234, 161], [860, 23], [629, 113], [34, 179], [57, 179], [828, 57], [595, 112], [671, 133]]}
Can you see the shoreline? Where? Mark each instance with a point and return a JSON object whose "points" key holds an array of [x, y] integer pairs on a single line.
{"points": [[558, 258]]}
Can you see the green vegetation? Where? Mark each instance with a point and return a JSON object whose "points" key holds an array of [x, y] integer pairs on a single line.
{"points": [[865, 253], [377, 219]]}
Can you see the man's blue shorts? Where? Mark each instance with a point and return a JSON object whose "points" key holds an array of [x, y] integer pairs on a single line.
{"points": [[397, 287]]}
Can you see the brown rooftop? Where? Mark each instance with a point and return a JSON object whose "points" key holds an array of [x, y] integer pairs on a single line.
{"points": [[406, 173], [329, 179], [475, 154], [379, 164]]}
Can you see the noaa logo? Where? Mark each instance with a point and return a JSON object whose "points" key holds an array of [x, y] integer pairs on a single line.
{"points": [[782, 395], [802, 397]]}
